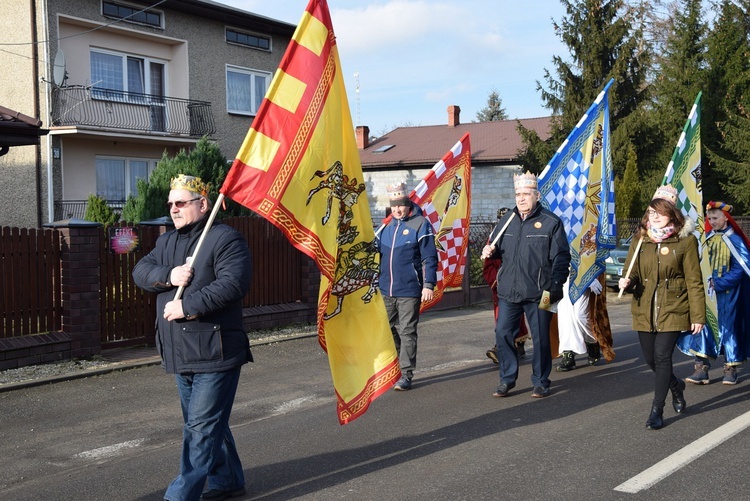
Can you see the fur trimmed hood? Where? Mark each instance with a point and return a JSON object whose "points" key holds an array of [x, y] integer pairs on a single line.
{"points": [[688, 228]]}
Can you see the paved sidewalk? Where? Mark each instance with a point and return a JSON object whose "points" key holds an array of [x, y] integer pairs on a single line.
{"points": [[127, 358], [124, 358]]}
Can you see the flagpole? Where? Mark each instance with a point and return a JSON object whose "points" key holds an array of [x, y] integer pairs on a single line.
{"points": [[632, 261], [505, 226], [190, 260]]}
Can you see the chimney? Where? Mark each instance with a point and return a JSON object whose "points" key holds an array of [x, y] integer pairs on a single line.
{"points": [[363, 137], [454, 113]]}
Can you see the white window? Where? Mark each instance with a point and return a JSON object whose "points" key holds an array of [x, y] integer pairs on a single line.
{"points": [[245, 89], [123, 74], [116, 176]]}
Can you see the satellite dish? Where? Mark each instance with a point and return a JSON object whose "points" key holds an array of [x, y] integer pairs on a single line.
{"points": [[59, 75]]}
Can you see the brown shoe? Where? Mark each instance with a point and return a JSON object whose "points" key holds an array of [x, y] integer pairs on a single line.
{"points": [[492, 354]]}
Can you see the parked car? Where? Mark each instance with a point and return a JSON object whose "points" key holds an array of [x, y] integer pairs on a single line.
{"points": [[616, 263]]}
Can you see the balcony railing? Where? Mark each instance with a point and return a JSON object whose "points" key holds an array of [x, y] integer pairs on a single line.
{"points": [[76, 209], [115, 109]]}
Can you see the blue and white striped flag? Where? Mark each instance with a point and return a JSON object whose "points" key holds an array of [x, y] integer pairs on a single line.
{"points": [[578, 186]]}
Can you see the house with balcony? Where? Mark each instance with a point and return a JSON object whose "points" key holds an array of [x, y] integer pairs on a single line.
{"points": [[119, 83], [408, 153]]}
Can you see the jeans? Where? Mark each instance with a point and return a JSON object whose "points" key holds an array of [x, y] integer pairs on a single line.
{"points": [[403, 316], [657, 350], [506, 330], [208, 450]]}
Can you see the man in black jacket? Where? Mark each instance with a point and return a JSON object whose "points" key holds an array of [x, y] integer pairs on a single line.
{"points": [[535, 255], [200, 336]]}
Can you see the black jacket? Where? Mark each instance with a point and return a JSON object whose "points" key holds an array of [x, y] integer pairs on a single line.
{"points": [[535, 255], [214, 339]]}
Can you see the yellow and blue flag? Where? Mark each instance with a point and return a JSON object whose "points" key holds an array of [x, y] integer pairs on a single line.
{"points": [[578, 186]]}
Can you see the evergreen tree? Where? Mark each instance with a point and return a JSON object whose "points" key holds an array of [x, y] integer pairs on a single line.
{"points": [[726, 109], [536, 153], [606, 40], [628, 192], [604, 43], [98, 211], [494, 111], [680, 66], [204, 161], [679, 76]]}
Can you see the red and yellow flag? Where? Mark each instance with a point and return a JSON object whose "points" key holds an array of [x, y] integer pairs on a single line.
{"points": [[445, 198], [299, 167]]}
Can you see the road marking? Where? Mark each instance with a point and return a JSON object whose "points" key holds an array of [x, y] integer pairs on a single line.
{"points": [[291, 405], [110, 450], [685, 456]]}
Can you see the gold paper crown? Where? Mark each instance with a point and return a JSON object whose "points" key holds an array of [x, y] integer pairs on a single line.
{"points": [[666, 192], [397, 194], [526, 180], [397, 190], [190, 183]]}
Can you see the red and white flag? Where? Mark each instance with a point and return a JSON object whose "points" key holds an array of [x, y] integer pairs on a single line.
{"points": [[445, 198]]}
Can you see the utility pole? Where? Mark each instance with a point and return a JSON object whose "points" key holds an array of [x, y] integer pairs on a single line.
{"points": [[356, 96]]}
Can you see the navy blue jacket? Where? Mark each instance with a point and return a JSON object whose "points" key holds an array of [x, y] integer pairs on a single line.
{"points": [[406, 246], [535, 255], [214, 339]]}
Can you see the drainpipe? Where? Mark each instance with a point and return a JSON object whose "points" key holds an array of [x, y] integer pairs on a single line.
{"points": [[48, 101], [38, 146]]}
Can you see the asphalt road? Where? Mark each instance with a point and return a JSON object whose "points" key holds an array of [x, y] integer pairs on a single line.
{"points": [[117, 436]]}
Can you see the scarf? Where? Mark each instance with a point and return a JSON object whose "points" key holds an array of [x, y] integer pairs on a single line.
{"points": [[657, 235]]}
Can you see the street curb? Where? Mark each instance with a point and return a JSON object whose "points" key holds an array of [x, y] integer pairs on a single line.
{"points": [[121, 366], [430, 316]]}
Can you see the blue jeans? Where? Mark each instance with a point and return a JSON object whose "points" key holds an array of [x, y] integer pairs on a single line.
{"points": [[208, 450], [506, 330]]}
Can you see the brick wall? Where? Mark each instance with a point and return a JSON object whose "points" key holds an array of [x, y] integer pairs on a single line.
{"points": [[491, 188]]}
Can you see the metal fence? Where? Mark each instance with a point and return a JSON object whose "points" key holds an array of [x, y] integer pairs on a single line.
{"points": [[76, 209], [116, 109]]}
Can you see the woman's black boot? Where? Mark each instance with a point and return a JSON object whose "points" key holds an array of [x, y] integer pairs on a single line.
{"points": [[678, 398], [655, 420]]}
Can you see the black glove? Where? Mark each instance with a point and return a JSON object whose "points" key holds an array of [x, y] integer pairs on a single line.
{"points": [[555, 295]]}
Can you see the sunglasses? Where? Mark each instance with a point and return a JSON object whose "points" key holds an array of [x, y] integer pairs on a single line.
{"points": [[181, 203]]}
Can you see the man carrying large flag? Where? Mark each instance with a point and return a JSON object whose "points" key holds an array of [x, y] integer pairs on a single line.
{"points": [[444, 195], [299, 168], [423, 245], [577, 185]]}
